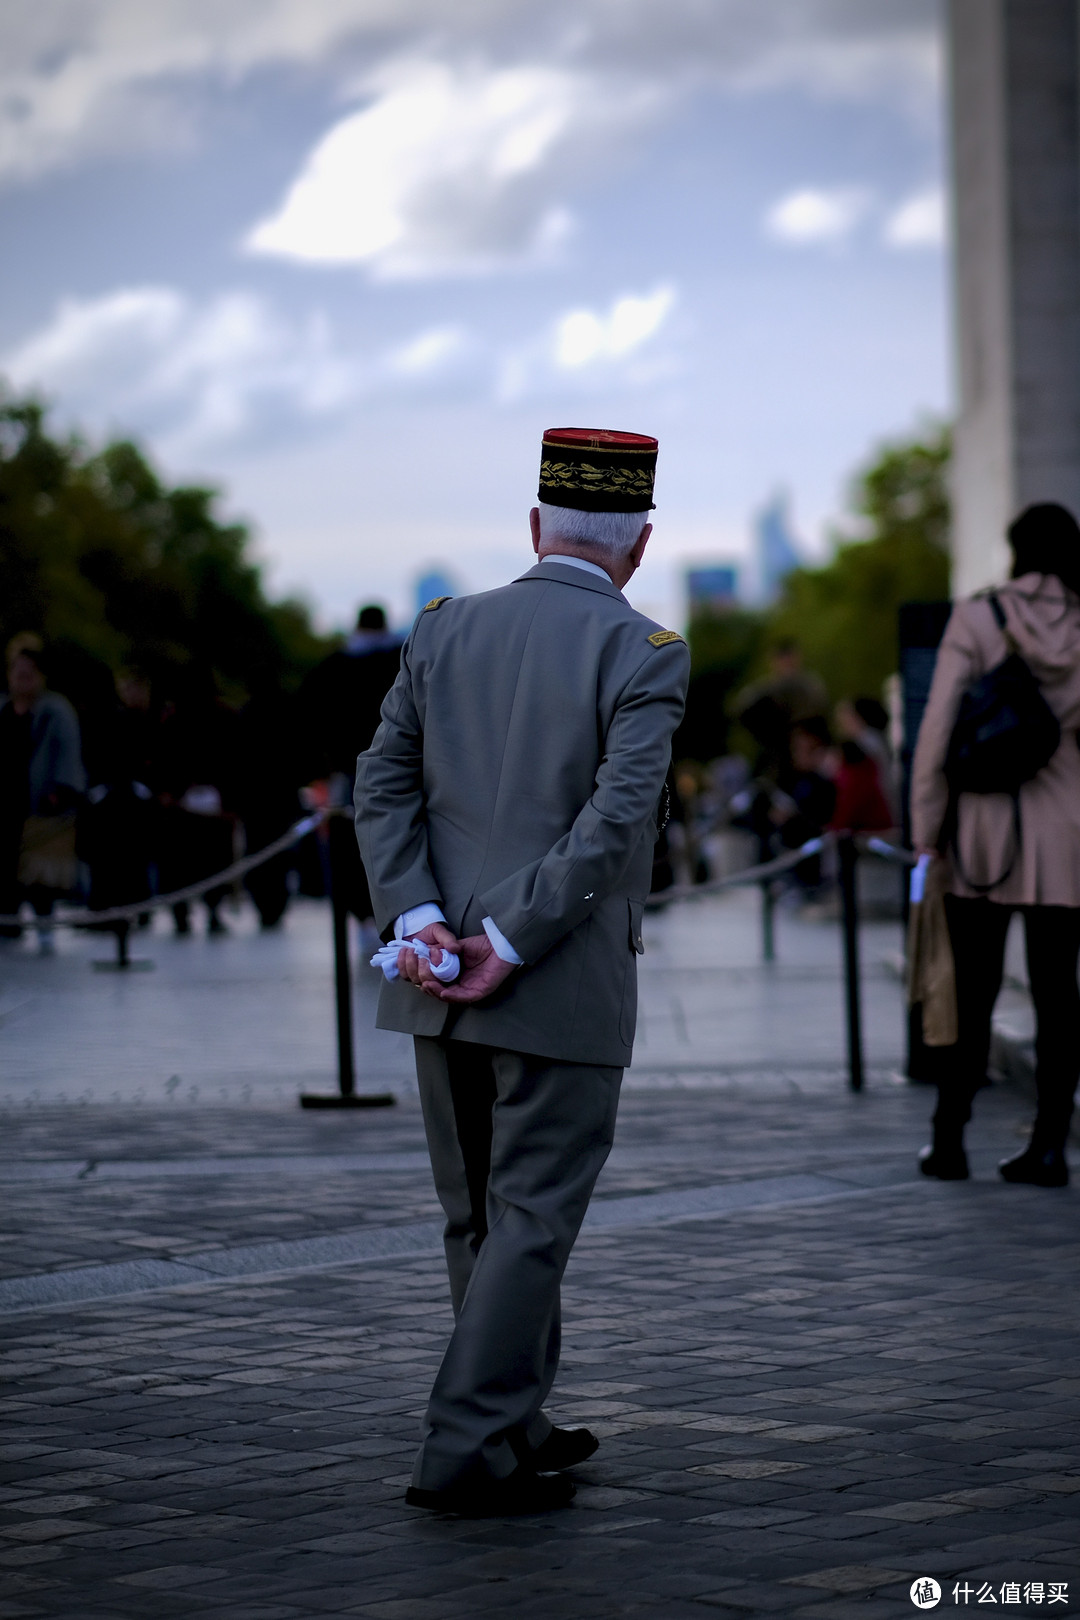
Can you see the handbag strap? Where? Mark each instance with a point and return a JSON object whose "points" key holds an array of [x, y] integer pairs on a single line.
{"points": [[987, 888]]}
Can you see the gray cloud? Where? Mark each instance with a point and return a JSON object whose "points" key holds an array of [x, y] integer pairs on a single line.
{"points": [[83, 78], [234, 372]]}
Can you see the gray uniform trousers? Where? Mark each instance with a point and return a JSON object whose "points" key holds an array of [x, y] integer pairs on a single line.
{"points": [[516, 1145]]}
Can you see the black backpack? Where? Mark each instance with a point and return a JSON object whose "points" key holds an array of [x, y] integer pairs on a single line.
{"points": [[1005, 733]]}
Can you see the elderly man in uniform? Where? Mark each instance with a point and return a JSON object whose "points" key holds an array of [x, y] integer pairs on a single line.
{"points": [[506, 811]]}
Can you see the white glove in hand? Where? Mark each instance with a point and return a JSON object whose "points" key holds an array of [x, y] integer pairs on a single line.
{"points": [[386, 958]]}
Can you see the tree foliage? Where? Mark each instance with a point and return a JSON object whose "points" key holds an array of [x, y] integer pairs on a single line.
{"points": [[112, 566], [844, 614]]}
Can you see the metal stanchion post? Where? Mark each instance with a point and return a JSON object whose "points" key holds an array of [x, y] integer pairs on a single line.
{"points": [[768, 911], [849, 897], [124, 963], [342, 992], [347, 1095]]}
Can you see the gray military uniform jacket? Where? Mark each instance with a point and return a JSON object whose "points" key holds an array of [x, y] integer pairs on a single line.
{"points": [[517, 774]]}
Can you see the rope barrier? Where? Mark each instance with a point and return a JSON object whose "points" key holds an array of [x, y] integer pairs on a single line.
{"points": [[749, 874], [847, 846], [887, 851], [84, 917]]}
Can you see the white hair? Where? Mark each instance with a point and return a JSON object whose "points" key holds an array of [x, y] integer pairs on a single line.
{"points": [[612, 535]]}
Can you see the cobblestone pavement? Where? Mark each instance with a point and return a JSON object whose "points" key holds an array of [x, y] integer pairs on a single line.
{"points": [[803, 1406], [815, 1376]]}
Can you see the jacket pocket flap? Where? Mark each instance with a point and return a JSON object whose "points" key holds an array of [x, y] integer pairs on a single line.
{"points": [[637, 913]]}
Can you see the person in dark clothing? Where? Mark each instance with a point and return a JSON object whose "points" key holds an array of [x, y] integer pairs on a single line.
{"points": [[15, 748], [770, 708], [810, 783], [41, 783], [804, 806], [116, 827], [267, 796], [340, 702], [195, 777]]}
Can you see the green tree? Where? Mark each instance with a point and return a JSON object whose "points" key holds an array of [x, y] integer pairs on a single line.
{"points": [[844, 614], [113, 566]]}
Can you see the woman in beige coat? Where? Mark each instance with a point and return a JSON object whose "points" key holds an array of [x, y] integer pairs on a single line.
{"points": [[991, 875]]}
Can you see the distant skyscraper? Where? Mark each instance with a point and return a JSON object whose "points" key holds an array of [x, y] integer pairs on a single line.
{"points": [[776, 547], [713, 588]]}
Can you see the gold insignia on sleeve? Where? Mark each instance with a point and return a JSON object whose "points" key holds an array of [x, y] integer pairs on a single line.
{"points": [[436, 601], [660, 638]]}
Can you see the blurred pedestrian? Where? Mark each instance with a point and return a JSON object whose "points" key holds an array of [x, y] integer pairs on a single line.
{"points": [[41, 783], [769, 708], [862, 803], [268, 776], [809, 783], [802, 807], [116, 824], [864, 723], [340, 703], [1003, 859], [195, 777]]}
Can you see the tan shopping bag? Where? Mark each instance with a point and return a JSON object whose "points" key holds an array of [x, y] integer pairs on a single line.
{"points": [[47, 854], [931, 974]]}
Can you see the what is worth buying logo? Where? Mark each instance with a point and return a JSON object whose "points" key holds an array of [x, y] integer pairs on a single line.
{"points": [[925, 1592]]}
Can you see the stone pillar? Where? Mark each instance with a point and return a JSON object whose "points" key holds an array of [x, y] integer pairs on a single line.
{"points": [[1014, 68]]}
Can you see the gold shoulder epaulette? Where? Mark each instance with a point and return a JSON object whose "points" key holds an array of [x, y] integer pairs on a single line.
{"points": [[436, 601], [660, 638]]}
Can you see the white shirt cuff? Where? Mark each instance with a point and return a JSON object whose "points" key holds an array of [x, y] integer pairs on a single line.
{"points": [[500, 944], [417, 917]]}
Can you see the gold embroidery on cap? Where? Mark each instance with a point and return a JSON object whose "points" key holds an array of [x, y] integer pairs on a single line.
{"points": [[603, 480]]}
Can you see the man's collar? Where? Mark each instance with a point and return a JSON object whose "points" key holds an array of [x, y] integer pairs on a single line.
{"points": [[577, 562], [555, 568]]}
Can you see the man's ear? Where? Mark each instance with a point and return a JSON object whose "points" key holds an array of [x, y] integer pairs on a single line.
{"points": [[534, 526], [642, 541]]}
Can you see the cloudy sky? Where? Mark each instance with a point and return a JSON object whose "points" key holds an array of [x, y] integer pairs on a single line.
{"points": [[348, 258]]}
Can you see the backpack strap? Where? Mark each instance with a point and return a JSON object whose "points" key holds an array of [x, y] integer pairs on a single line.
{"points": [[1002, 622]]}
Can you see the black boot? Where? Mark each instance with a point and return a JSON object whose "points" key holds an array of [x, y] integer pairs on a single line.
{"points": [[945, 1159], [945, 1163], [1038, 1166]]}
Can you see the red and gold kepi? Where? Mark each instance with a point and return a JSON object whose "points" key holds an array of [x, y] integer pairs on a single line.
{"points": [[595, 470]]}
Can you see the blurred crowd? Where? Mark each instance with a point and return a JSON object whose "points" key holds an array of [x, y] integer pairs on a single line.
{"points": [[166, 783], [815, 768]]}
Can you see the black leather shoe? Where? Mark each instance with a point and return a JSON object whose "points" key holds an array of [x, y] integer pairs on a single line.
{"points": [[521, 1492], [563, 1448], [947, 1164], [1036, 1167]]}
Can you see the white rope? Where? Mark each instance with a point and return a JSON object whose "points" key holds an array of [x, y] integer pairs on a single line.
{"points": [[749, 874], [84, 916]]}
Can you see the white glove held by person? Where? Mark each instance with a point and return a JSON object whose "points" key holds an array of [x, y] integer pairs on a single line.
{"points": [[387, 956]]}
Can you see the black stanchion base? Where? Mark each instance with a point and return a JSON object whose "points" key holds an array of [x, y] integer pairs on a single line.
{"points": [[379, 1099], [142, 966]]}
